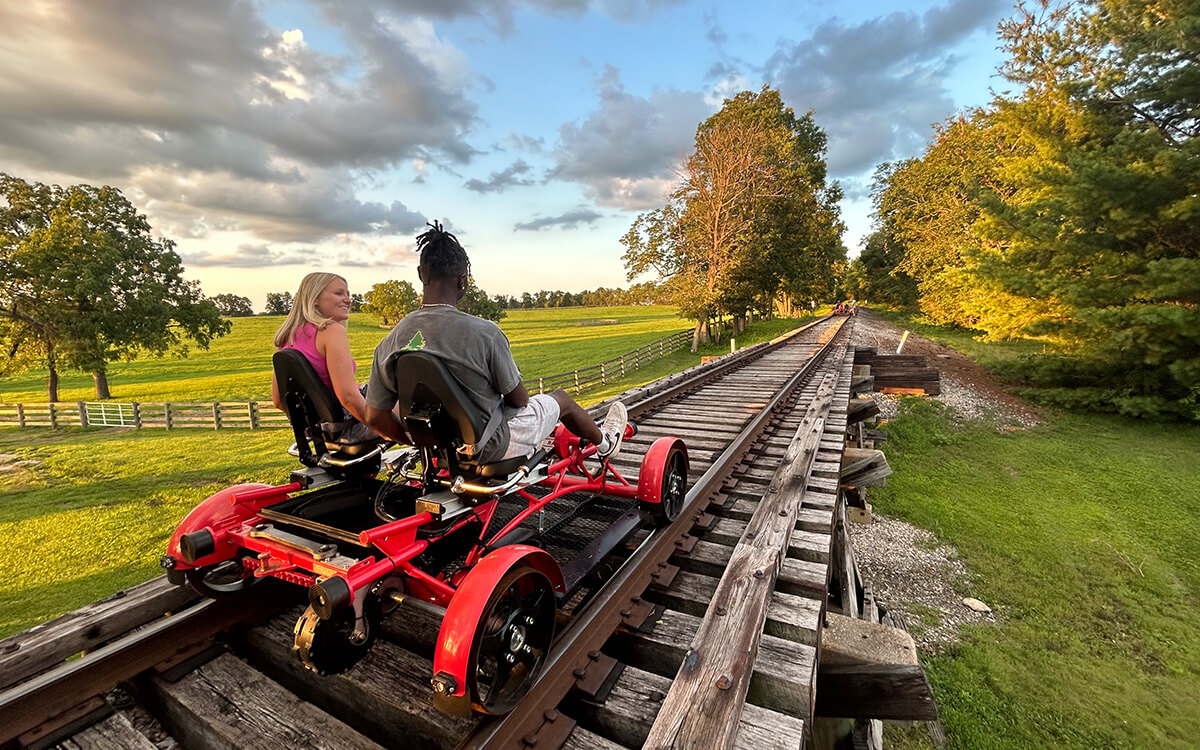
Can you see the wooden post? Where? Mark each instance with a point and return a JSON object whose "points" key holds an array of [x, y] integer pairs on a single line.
{"points": [[622, 365], [137, 415], [603, 376], [253, 408], [166, 414], [577, 381], [216, 416], [20, 415], [53, 416], [732, 345], [541, 385], [83, 418]]}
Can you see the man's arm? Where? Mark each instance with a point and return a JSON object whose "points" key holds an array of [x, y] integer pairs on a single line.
{"points": [[518, 396], [384, 422]]}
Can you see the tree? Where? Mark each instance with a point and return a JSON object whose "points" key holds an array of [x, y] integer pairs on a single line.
{"points": [[233, 305], [477, 302], [391, 300], [356, 303], [1069, 211], [1103, 219], [278, 303], [877, 275], [752, 215], [83, 281]]}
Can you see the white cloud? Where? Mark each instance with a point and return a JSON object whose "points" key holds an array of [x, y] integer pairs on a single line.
{"points": [[619, 169]]}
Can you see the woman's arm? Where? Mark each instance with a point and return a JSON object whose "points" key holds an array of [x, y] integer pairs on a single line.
{"points": [[276, 397], [333, 342]]}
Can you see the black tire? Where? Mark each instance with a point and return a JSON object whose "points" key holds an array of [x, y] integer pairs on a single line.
{"points": [[512, 641], [221, 580], [672, 490], [326, 646]]}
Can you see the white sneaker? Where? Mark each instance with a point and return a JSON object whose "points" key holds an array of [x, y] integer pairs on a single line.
{"points": [[613, 430]]}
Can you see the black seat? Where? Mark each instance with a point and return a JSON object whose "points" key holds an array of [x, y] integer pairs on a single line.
{"points": [[440, 417], [314, 412]]}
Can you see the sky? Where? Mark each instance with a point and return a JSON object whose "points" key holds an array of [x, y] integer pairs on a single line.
{"points": [[271, 138]]}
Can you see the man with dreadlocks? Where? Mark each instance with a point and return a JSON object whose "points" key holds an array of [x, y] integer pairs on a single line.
{"points": [[477, 353]]}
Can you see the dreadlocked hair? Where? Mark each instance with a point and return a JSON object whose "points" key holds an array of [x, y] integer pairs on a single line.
{"points": [[441, 255]]}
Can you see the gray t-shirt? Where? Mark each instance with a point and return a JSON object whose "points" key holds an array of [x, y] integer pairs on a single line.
{"points": [[475, 350]]}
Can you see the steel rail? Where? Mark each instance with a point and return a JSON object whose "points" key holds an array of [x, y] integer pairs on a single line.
{"points": [[592, 627]]}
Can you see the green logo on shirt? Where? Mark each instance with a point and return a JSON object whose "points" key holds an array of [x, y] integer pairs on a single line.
{"points": [[416, 345]]}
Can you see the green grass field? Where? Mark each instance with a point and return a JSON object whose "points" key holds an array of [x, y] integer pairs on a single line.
{"points": [[237, 367], [1082, 535], [85, 513]]}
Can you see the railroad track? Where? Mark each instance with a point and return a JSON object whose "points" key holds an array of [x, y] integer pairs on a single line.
{"points": [[662, 647]]}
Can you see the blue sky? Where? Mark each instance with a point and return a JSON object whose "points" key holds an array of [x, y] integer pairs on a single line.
{"points": [[276, 137]]}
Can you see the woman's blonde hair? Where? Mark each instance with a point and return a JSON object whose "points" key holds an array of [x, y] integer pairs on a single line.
{"points": [[304, 307]]}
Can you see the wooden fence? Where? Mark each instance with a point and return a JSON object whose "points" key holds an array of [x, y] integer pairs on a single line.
{"points": [[255, 415], [610, 369], [172, 416]]}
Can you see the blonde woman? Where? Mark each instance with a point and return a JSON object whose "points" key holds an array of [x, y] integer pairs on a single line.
{"points": [[316, 327]]}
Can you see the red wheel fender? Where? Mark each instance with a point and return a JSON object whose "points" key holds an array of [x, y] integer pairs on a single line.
{"points": [[649, 487], [453, 653], [214, 512]]}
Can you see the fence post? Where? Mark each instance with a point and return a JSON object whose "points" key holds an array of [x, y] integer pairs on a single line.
{"points": [[137, 415], [253, 407], [541, 385], [622, 365], [53, 416], [216, 416], [20, 415], [577, 381], [603, 377], [166, 413], [83, 420]]}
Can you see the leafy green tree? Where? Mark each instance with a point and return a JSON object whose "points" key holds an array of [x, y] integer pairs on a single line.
{"points": [[752, 215], [477, 302], [391, 300], [356, 303], [1104, 216], [278, 303], [876, 275], [83, 280], [233, 305]]}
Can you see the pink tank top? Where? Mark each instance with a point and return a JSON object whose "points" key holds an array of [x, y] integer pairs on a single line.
{"points": [[305, 342]]}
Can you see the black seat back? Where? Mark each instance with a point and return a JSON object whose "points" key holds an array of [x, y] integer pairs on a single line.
{"points": [[313, 411], [439, 416], [436, 411]]}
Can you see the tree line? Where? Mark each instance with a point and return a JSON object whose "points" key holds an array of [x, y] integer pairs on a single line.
{"points": [[752, 226], [1067, 210]]}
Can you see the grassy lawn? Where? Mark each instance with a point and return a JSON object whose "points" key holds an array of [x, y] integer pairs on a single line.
{"points": [[86, 513], [237, 367], [1082, 534]]}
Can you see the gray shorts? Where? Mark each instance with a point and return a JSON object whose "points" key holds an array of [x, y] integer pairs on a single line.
{"points": [[531, 425]]}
